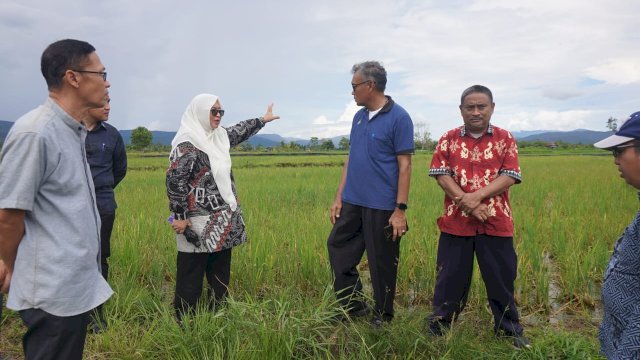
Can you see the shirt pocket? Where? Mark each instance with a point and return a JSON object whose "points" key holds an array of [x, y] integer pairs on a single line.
{"points": [[380, 147], [99, 153]]}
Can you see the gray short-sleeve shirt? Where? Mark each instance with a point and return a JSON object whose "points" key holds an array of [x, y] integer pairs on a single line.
{"points": [[44, 171]]}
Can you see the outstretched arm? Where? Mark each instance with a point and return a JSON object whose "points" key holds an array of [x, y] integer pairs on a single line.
{"points": [[245, 129]]}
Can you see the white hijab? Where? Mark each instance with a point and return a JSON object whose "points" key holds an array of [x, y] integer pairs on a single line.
{"points": [[196, 129]]}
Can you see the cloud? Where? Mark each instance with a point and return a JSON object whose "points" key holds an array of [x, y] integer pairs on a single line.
{"points": [[545, 120], [321, 120], [322, 127], [535, 57], [561, 94], [620, 71]]}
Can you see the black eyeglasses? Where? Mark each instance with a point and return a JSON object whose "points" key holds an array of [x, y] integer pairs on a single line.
{"points": [[355, 86], [101, 73], [618, 150], [215, 112]]}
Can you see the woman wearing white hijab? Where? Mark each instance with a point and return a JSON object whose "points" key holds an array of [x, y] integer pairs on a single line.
{"points": [[202, 197]]}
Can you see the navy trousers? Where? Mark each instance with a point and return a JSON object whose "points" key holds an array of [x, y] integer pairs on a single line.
{"points": [[497, 261], [107, 221], [106, 229], [356, 230], [53, 337]]}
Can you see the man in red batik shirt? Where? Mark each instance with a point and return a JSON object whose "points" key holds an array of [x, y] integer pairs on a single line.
{"points": [[475, 165]]}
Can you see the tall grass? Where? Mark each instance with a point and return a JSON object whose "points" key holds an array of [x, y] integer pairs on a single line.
{"points": [[571, 207]]}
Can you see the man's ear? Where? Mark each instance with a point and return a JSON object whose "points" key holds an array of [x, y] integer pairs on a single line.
{"points": [[71, 77]]}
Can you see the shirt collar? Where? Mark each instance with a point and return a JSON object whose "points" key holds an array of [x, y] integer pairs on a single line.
{"points": [[388, 105], [66, 118], [463, 130]]}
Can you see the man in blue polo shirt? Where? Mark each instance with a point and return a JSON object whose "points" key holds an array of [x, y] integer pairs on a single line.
{"points": [[108, 161], [368, 212]]}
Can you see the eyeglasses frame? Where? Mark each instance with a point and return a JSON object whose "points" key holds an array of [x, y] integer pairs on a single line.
{"points": [[101, 73], [355, 86], [618, 150]]}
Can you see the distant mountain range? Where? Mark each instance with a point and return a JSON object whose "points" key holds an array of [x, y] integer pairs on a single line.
{"points": [[579, 136]]}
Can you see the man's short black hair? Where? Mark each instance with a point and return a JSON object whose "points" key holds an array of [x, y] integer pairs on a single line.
{"points": [[61, 56], [476, 89]]}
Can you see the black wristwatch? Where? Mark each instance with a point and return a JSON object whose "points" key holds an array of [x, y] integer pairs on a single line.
{"points": [[402, 206]]}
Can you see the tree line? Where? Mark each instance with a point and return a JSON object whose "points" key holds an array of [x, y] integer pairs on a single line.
{"points": [[142, 140]]}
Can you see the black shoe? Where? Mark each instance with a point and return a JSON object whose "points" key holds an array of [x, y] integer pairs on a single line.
{"points": [[518, 341], [362, 312], [352, 314], [437, 328], [97, 326]]}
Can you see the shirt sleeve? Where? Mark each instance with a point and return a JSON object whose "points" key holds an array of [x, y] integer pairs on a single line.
{"points": [[243, 130], [119, 160], [23, 165], [510, 165], [178, 179], [440, 161], [403, 135]]}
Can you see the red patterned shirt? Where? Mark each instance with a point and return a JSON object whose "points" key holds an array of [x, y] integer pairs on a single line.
{"points": [[473, 164]]}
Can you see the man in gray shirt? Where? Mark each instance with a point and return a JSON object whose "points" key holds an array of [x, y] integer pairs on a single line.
{"points": [[49, 223]]}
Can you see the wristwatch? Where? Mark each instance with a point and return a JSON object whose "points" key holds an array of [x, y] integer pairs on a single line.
{"points": [[402, 206]]}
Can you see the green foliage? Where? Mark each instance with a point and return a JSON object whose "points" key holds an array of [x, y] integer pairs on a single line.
{"points": [[422, 137], [612, 124], [573, 207], [141, 137], [343, 144], [314, 143], [327, 145]]}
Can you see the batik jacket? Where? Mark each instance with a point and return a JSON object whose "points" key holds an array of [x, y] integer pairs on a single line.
{"points": [[194, 195]]}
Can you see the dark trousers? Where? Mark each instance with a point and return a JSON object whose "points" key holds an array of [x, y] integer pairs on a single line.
{"points": [[356, 230], [191, 268], [498, 265], [53, 337], [105, 241], [107, 221]]}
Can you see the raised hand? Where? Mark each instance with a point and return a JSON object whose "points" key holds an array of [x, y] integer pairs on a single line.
{"points": [[269, 115]]}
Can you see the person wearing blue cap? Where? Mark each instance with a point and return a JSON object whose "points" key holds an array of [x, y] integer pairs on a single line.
{"points": [[620, 329]]}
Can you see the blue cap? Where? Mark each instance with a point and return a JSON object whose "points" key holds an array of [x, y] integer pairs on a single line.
{"points": [[630, 130]]}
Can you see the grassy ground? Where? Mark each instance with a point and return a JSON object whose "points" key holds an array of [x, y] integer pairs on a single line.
{"points": [[568, 212]]}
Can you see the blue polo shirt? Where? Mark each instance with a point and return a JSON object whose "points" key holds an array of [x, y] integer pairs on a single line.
{"points": [[372, 173]]}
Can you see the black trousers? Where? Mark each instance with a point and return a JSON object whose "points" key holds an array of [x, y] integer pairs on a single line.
{"points": [[106, 229], [53, 337], [191, 268], [356, 230], [105, 241], [497, 261]]}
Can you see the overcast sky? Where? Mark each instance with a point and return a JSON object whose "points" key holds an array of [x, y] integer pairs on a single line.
{"points": [[551, 64]]}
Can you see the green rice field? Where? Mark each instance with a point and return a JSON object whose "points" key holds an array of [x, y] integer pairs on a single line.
{"points": [[568, 211]]}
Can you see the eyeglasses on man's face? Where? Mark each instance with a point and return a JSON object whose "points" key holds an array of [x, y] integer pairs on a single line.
{"points": [[618, 150], [215, 112], [355, 86], [101, 73]]}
